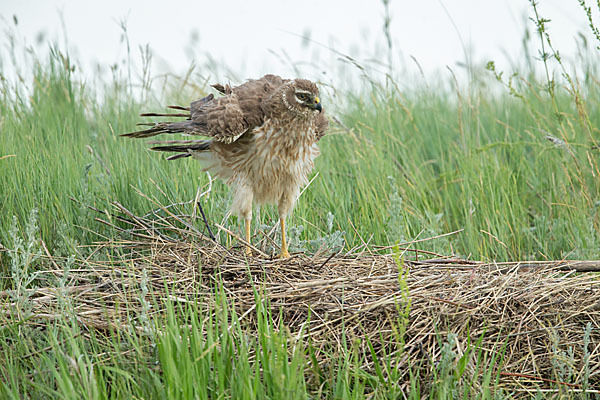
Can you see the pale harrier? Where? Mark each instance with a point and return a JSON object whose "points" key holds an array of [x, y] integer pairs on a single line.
{"points": [[263, 141]]}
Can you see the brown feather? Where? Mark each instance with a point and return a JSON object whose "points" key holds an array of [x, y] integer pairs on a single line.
{"points": [[145, 133], [175, 141], [187, 127], [179, 108], [177, 156], [164, 115], [203, 145], [321, 125], [226, 90]]}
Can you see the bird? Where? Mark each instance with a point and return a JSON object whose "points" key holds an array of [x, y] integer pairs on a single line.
{"points": [[261, 140]]}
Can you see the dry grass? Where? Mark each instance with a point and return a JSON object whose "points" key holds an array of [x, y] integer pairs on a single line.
{"points": [[531, 314]]}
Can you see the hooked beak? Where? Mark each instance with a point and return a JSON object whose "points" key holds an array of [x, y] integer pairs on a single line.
{"points": [[318, 104]]}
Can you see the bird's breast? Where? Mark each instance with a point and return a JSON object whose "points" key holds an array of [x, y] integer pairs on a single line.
{"points": [[282, 159]]}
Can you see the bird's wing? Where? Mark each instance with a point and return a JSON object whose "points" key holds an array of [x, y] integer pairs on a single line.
{"points": [[238, 112], [224, 119]]}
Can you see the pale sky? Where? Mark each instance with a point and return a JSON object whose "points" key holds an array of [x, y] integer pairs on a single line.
{"points": [[256, 37]]}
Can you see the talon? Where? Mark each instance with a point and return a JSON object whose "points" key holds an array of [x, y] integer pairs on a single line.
{"points": [[284, 254]]}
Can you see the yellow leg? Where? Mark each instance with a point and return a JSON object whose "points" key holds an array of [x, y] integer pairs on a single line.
{"points": [[248, 251], [284, 248]]}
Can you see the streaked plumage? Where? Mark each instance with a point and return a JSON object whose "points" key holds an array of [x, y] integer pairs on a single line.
{"points": [[263, 137]]}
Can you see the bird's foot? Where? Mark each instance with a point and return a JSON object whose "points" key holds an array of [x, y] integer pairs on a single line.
{"points": [[284, 254], [248, 251]]}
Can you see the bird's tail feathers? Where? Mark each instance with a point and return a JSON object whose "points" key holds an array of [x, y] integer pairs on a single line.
{"points": [[167, 127], [189, 126], [184, 147]]}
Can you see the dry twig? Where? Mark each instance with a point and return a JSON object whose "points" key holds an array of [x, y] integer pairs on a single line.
{"points": [[519, 305]]}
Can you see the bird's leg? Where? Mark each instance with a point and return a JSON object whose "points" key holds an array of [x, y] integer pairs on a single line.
{"points": [[248, 223], [242, 206], [285, 207], [284, 248]]}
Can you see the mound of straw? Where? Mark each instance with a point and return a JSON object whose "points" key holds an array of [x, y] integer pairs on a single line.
{"points": [[531, 315]]}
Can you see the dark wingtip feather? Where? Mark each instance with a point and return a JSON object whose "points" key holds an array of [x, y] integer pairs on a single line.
{"points": [[145, 133], [164, 115], [219, 88], [176, 156], [184, 146], [179, 108], [222, 89], [188, 142], [170, 148]]}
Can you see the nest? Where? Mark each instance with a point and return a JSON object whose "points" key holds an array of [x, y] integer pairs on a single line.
{"points": [[531, 315]]}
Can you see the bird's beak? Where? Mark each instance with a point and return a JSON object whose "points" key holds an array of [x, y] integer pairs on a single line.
{"points": [[318, 104]]}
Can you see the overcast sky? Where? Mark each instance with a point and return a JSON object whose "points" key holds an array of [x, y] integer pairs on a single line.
{"points": [[256, 37]]}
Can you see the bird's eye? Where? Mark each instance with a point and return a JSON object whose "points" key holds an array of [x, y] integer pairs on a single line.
{"points": [[302, 96]]}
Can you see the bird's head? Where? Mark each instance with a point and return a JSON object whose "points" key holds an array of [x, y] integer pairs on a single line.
{"points": [[301, 96]]}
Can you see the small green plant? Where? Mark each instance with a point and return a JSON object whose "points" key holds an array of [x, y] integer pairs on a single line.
{"points": [[144, 314], [24, 253], [327, 241], [331, 241], [396, 225], [404, 302]]}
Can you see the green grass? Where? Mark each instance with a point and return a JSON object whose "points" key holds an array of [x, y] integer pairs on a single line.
{"points": [[512, 161], [478, 161], [189, 354]]}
